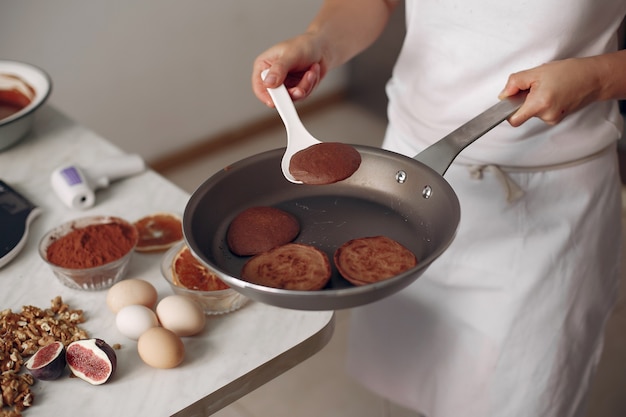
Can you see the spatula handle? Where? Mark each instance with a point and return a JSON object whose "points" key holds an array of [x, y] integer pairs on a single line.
{"points": [[285, 107]]}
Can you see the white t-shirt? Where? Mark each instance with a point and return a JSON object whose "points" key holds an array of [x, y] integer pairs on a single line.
{"points": [[456, 59]]}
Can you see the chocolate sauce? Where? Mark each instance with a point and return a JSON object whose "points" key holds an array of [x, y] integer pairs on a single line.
{"points": [[12, 100]]}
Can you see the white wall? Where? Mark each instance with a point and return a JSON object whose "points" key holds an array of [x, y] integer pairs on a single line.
{"points": [[153, 76]]}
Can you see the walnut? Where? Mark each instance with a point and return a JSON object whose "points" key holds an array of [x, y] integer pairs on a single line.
{"points": [[21, 334]]}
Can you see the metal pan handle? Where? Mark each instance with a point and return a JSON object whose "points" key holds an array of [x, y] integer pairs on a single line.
{"points": [[440, 154]]}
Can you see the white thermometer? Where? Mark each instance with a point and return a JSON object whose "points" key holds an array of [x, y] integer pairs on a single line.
{"points": [[76, 186]]}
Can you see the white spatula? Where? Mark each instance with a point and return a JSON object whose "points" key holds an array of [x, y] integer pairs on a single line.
{"points": [[298, 137]]}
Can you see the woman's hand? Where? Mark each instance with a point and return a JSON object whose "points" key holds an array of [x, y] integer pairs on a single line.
{"points": [[556, 89], [298, 63], [560, 88]]}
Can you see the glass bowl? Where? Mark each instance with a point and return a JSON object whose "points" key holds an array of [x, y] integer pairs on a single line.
{"points": [[212, 302], [90, 277]]}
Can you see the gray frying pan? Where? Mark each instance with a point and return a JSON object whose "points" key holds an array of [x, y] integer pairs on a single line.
{"points": [[406, 199]]}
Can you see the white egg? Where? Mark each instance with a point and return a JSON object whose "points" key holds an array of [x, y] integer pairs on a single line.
{"points": [[181, 314], [133, 320]]}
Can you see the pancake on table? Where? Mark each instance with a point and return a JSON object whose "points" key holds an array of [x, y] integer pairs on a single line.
{"points": [[259, 229], [372, 259], [188, 272], [324, 163], [293, 266], [158, 232]]}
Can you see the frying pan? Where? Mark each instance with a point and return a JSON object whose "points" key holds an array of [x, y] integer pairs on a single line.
{"points": [[406, 199]]}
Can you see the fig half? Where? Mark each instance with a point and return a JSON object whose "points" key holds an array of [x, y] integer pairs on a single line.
{"points": [[91, 360], [48, 363]]}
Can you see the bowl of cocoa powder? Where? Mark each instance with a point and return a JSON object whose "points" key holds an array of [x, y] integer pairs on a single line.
{"points": [[90, 253]]}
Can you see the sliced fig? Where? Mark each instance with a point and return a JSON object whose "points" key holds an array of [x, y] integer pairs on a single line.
{"points": [[48, 363], [92, 360]]}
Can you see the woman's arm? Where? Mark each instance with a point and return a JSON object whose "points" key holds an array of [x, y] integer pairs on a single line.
{"points": [[346, 27], [341, 29]]}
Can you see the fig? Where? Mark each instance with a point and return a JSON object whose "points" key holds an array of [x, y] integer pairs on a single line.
{"points": [[91, 360], [48, 363]]}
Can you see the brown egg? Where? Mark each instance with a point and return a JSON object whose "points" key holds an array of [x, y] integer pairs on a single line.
{"points": [[130, 292], [181, 314], [161, 348]]}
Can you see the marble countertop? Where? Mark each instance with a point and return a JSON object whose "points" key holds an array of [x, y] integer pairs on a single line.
{"points": [[235, 353]]}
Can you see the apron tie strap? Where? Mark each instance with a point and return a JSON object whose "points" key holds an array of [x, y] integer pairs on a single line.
{"points": [[512, 189]]}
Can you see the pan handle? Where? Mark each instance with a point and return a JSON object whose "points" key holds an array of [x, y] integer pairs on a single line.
{"points": [[440, 154]]}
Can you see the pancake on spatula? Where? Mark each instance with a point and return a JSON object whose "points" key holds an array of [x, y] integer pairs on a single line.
{"points": [[371, 259], [293, 266], [324, 163]]}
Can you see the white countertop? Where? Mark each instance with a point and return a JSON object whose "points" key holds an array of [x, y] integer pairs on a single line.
{"points": [[235, 354]]}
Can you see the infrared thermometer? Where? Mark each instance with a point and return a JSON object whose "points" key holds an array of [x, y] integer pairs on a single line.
{"points": [[76, 186]]}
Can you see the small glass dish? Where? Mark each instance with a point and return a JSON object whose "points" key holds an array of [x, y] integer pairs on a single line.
{"points": [[212, 302], [95, 277]]}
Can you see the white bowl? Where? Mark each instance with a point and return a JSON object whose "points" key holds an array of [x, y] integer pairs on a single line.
{"points": [[14, 127]]}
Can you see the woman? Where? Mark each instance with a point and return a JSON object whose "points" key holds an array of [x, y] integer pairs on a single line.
{"points": [[509, 320]]}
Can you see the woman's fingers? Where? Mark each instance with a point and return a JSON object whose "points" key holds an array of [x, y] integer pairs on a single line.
{"points": [[296, 63], [557, 89]]}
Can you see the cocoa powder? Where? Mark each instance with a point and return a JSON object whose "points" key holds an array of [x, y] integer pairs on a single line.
{"points": [[92, 246]]}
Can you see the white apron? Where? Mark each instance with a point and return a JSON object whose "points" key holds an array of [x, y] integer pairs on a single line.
{"points": [[509, 321]]}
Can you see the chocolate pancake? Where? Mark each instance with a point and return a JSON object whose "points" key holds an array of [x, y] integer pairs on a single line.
{"points": [[158, 232], [324, 163], [259, 229], [293, 266], [371, 259], [188, 272]]}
